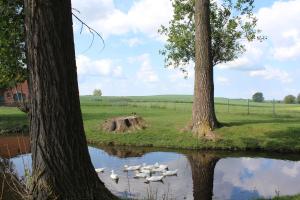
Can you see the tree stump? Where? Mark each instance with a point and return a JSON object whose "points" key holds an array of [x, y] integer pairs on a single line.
{"points": [[124, 124]]}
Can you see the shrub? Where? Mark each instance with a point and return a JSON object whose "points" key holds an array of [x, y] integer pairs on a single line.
{"points": [[289, 99], [258, 97], [97, 92]]}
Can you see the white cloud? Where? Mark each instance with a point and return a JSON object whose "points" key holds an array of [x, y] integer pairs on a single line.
{"points": [[278, 22], [242, 62], [146, 72], [259, 175], [289, 51], [133, 41], [281, 24], [249, 61], [222, 80], [269, 73], [102, 67], [144, 16], [177, 74], [118, 71], [292, 171]]}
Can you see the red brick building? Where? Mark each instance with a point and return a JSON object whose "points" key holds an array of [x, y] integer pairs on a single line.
{"points": [[10, 96]]}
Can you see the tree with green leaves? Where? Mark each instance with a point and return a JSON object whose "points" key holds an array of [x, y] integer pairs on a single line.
{"points": [[258, 97], [207, 33], [298, 98], [97, 92], [12, 43], [289, 99]]}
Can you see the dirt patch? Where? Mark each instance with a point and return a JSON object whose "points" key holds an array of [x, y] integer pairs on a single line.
{"points": [[124, 124]]}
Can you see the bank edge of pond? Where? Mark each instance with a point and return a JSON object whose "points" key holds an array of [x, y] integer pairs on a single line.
{"points": [[16, 130], [259, 149], [256, 149], [293, 197]]}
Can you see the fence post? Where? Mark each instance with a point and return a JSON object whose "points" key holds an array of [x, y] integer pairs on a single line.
{"points": [[274, 108], [228, 105], [248, 107]]}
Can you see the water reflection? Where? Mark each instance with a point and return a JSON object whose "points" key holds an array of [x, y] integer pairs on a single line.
{"points": [[179, 187], [202, 175], [250, 178], [203, 167]]}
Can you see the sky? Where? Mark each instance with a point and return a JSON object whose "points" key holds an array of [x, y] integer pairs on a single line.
{"points": [[130, 63]]}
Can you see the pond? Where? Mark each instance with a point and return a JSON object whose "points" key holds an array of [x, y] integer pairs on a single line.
{"points": [[201, 175]]}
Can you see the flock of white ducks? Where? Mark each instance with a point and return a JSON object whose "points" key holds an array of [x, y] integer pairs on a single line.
{"points": [[144, 171]]}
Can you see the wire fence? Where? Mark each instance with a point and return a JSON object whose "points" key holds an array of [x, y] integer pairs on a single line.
{"points": [[231, 106], [222, 105]]}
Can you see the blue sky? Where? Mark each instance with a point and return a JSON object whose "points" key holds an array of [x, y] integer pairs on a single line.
{"points": [[130, 63]]}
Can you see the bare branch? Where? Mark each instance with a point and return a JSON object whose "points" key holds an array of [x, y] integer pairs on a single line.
{"points": [[91, 30]]}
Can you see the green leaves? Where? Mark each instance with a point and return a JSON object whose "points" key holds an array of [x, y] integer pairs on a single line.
{"points": [[12, 43], [232, 24]]}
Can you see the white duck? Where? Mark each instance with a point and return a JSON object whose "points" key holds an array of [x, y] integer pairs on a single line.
{"points": [[99, 170], [161, 166], [132, 168], [170, 173], [146, 171], [148, 167], [114, 176], [154, 178], [158, 169], [141, 175]]}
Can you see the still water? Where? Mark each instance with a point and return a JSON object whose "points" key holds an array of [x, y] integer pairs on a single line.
{"points": [[201, 175]]}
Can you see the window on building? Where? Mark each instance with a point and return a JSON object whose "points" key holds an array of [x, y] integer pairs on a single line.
{"points": [[19, 96]]}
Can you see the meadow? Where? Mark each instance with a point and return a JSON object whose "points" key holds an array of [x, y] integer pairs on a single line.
{"points": [[247, 125]]}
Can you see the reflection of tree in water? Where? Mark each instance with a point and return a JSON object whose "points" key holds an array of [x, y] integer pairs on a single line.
{"points": [[124, 152], [203, 166], [10, 186]]}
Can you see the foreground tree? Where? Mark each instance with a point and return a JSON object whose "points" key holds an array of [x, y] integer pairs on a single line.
{"points": [[204, 118], [258, 97], [61, 164], [207, 33]]}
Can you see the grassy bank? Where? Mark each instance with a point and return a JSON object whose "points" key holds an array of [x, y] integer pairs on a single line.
{"points": [[166, 115], [296, 197]]}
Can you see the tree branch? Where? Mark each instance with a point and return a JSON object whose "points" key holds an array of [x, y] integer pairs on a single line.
{"points": [[91, 30]]}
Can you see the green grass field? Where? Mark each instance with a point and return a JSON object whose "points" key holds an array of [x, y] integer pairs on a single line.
{"points": [[167, 115]]}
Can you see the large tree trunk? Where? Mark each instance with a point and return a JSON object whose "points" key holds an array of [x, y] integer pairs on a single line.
{"points": [[204, 118], [203, 166], [61, 164]]}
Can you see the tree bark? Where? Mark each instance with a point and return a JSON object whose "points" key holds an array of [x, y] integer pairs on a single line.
{"points": [[204, 120], [62, 168], [203, 166]]}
